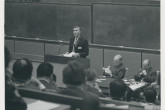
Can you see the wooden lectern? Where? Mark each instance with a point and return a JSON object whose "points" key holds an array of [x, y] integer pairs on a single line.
{"points": [[59, 62]]}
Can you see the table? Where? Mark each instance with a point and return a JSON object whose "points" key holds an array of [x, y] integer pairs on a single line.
{"points": [[104, 82]]}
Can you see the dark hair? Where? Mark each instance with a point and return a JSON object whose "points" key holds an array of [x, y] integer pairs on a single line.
{"points": [[74, 74], [77, 27], [90, 74], [7, 57], [22, 69], [150, 94], [44, 70], [117, 88]]}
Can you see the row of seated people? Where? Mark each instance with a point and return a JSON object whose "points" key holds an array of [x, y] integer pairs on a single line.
{"points": [[118, 70], [79, 83], [146, 74]]}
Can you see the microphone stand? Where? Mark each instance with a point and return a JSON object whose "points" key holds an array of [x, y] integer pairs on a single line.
{"points": [[59, 50]]}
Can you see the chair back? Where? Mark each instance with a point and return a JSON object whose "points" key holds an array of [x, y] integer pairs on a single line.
{"points": [[74, 102], [132, 106], [110, 108]]}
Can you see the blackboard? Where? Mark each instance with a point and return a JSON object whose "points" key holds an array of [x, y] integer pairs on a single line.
{"points": [[127, 25], [15, 19], [46, 21], [41, 21]]}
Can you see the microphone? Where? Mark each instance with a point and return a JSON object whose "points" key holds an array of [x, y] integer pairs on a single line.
{"points": [[61, 44]]}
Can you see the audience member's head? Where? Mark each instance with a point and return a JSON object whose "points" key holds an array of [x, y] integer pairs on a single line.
{"points": [[117, 89], [7, 57], [90, 75], [22, 69], [150, 94], [74, 74], [117, 60], [44, 70], [146, 64]]}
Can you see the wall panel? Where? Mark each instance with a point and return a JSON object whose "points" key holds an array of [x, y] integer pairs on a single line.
{"points": [[10, 45], [53, 49], [31, 50], [96, 60]]}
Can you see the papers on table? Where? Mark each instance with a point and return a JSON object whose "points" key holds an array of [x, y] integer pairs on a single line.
{"points": [[68, 54], [107, 70], [41, 105], [100, 79], [137, 85]]}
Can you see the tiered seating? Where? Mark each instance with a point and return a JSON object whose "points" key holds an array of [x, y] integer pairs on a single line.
{"points": [[119, 104], [75, 102], [122, 105]]}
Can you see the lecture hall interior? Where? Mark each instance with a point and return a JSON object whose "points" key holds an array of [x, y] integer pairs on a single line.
{"points": [[82, 54]]}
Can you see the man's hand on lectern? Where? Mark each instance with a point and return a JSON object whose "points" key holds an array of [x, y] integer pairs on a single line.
{"points": [[67, 53]]}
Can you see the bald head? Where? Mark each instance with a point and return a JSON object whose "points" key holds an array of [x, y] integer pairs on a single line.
{"points": [[117, 60], [22, 69], [146, 64]]}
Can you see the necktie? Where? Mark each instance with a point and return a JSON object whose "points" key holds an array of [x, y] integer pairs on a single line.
{"points": [[75, 44]]}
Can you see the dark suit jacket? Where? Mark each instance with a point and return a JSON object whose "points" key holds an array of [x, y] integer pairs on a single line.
{"points": [[91, 101], [22, 84], [95, 91], [81, 47], [118, 72], [12, 101], [150, 77]]}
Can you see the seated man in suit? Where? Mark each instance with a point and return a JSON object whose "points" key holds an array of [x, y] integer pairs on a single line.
{"points": [[147, 73], [78, 45], [150, 95], [74, 79], [45, 75], [91, 84], [118, 70], [118, 90], [22, 75]]}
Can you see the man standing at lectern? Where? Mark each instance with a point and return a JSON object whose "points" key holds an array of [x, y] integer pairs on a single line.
{"points": [[78, 45]]}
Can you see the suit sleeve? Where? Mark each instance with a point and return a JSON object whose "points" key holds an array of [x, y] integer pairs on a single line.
{"points": [[120, 74], [85, 49], [138, 77], [151, 78]]}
